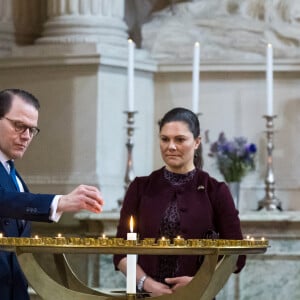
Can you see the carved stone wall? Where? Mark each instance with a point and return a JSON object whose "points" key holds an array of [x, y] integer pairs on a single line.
{"points": [[227, 30]]}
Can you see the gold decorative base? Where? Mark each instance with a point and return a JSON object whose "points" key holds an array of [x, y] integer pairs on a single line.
{"points": [[205, 285]]}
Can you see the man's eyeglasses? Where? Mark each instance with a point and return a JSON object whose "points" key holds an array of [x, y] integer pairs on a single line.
{"points": [[21, 128]]}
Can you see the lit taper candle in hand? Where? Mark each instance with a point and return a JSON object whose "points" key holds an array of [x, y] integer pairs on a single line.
{"points": [[131, 262]]}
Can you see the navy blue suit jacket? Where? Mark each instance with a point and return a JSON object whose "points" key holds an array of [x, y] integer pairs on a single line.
{"points": [[15, 205]]}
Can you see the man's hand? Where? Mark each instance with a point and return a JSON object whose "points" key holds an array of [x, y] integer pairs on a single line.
{"points": [[83, 197], [177, 282]]}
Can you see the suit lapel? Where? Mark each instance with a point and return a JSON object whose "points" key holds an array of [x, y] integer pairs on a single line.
{"points": [[7, 183]]}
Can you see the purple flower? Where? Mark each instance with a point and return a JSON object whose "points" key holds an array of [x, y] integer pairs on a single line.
{"points": [[252, 148], [235, 157]]}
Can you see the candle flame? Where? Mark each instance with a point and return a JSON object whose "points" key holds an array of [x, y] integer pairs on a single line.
{"points": [[131, 224], [163, 238], [103, 236], [130, 41], [262, 238], [36, 236], [1, 234], [197, 44], [59, 235], [269, 45]]}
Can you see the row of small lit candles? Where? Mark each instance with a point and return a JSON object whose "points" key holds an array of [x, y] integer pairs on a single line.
{"points": [[105, 241]]}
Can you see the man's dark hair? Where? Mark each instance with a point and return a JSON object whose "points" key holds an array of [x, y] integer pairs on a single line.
{"points": [[7, 95]]}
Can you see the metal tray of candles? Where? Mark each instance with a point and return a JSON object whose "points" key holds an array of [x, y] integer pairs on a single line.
{"points": [[148, 246]]}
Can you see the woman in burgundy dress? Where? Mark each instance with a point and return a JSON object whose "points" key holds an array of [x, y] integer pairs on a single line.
{"points": [[178, 199]]}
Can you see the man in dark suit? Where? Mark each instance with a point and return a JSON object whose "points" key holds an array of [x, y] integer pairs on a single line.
{"points": [[18, 126]]}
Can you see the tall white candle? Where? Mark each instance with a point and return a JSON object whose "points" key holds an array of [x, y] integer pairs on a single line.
{"points": [[269, 79], [196, 77], [130, 75], [131, 263]]}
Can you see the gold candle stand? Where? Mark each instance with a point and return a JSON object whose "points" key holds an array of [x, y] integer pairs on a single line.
{"points": [[206, 283]]}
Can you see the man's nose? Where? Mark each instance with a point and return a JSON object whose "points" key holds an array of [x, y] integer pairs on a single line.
{"points": [[26, 134]]}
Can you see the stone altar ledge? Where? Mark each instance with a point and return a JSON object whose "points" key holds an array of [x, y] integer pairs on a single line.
{"points": [[271, 224], [275, 216]]}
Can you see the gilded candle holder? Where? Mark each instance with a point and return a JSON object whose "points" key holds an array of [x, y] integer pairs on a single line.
{"points": [[89, 242], [60, 240], [103, 241], [222, 243], [46, 240], [36, 241], [130, 242], [3, 240], [245, 243], [194, 243], [164, 242], [148, 241], [24, 241], [74, 241], [264, 242], [14, 241], [235, 243], [179, 241], [118, 241]]}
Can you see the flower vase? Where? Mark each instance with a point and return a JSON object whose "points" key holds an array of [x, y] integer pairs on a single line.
{"points": [[234, 188]]}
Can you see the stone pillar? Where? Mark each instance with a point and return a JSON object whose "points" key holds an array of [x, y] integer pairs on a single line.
{"points": [[28, 17], [85, 21], [20, 22], [6, 27]]}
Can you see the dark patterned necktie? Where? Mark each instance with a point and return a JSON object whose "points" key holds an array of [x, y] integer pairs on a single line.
{"points": [[12, 173]]}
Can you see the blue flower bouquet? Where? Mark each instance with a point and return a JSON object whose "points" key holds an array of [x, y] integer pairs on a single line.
{"points": [[235, 158]]}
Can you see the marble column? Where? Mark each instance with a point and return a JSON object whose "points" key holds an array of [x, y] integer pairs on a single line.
{"points": [[28, 18], [6, 27], [85, 21]]}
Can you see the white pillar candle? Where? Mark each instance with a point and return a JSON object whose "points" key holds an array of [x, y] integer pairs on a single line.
{"points": [[269, 79], [130, 75], [131, 263], [196, 77]]}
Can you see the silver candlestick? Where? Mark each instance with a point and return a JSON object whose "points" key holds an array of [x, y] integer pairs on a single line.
{"points": [[129, 173], [270, 201]]}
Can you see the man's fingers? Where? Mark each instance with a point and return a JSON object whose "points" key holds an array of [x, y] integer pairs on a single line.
{"points": [[93, 205], [94, 194]]}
